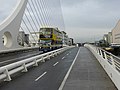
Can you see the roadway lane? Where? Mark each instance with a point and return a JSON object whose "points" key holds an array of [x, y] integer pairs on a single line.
{"points": [[88, 74], [17, 56], [47, 76]]}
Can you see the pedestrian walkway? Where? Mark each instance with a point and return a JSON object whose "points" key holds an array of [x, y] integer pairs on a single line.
{"points": [[87, 74]]}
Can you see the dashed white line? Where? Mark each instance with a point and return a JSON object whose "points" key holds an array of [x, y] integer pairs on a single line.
{"points": [[63, 57], [55, 64], [67, 54], [40, 76]]}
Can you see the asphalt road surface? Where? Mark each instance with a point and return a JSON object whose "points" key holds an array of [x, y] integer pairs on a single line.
{"points": [[47, 76]]}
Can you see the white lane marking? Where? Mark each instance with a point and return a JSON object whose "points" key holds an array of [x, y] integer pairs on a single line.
{"points": [[65, 78], [40, 76], [67, 54], [55, 64], [63, 57]]}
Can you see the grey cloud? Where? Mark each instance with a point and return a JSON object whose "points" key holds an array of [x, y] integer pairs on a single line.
{"points": [[70, 3], [101, 15], [81, 16], [90, 15]]}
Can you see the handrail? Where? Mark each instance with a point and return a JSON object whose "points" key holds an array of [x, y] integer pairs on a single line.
{"points": [[8, 70], [109, 62], [114, 59]]}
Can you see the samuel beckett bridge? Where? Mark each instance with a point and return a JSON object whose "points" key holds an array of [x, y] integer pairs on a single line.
{"points": [[37, 54]]}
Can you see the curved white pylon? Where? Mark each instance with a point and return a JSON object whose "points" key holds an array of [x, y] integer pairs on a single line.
{"points": [[9, 29]]}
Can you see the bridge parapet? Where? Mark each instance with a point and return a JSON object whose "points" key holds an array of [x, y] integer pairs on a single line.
{"points": [[7, 71], [109, 62]]}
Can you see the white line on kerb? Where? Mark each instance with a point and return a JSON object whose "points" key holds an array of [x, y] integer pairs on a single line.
{"points": [[65, 78], [55, 64], [40, 76]]}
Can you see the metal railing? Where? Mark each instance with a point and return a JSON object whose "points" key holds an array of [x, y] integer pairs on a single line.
{"points": [[113, 60], [109, 62], [22, 66]]}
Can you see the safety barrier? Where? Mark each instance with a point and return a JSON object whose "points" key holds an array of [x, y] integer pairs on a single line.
{"points": [[22, 66], [109, 62]]}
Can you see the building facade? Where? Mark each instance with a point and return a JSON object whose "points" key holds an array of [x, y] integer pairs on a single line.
{"points": [[110, 37], [116, 33], [23, 39], [64, 38], [71, 41], [105, 37]]}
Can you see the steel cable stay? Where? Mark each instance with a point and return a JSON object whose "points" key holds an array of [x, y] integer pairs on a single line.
{"points": [[32, 19], [29, 21], [31, 25], [50, 12], [32, 37], [53, 14], [36, 12], [48, 9], [23, 30], [43, 12], [59, 14], [41, 19], [29, 30], [62, 15], [42, 16], [22, 38], [56, 13]]}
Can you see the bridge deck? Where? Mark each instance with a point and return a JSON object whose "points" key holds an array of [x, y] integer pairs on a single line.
{"points": [[87, 74]]}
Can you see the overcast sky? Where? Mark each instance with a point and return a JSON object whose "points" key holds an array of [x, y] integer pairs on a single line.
{"points": [[90, 19], [85, 20]]}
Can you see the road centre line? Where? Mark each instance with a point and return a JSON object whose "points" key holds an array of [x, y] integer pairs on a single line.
{"points": [[40, 76]]}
